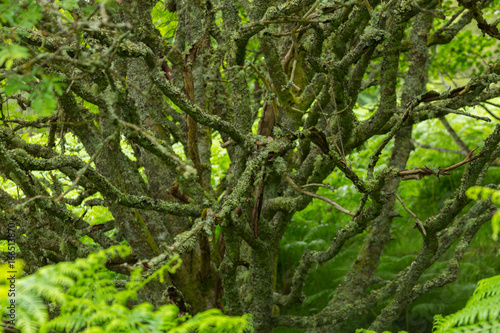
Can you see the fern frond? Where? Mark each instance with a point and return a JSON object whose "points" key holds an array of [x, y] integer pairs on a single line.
{"points": [[481, 314], [93, 330], [214, 321], [65, 323], [486, 288], [26, 322], [480, 327], [120, 325], [88, 301]]}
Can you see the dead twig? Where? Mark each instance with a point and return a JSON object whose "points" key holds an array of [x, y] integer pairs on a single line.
{"points": [[454, 135], [468, 159], [419, 223], [330, 187], [462, 113], [317, 196], [426, 171], [442, 150], [227, 143], [487, 110]]}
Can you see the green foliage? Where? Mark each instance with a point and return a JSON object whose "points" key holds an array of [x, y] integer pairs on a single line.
{"points": [[165, 21], [87, 299], [219, 160], [478, 192], [481, 314], [9, 53], [42, 89], [464, 47], [464, 59], [20, 14], [26, 78], [69, 4]]}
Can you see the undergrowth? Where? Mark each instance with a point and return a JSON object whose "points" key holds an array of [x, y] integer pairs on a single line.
{"points": [[86, 297]]}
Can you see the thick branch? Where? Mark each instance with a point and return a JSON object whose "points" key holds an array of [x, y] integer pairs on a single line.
{"points": [[179, 99], [108, 190]]}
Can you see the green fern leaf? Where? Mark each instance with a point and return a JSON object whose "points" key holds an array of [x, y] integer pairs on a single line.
{"points": [[481, 314]]}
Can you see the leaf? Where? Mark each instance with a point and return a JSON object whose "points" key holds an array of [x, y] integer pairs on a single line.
{"points": [[479, 315], [484, 193], [69, 4], [16, 83], [495, 224], [9, 53]]}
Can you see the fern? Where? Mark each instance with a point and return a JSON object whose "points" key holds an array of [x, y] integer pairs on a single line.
{"points": [[481, 314], [482, 311], [85, 293]]}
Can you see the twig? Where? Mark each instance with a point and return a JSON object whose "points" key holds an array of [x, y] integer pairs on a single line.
{"points": [[466, 160], [443, 81], [426, 171], [497, 105], [294, 64], [227, 143], [487, 110], [82, 171], [442, 150], [362, 203], [462, 113], [298, 110], [311, 10], [450, 21], [454, 135], [341, 151], [289, 32], [419, 223], [375, 156], [287, 20], [261, 76], [317, 196], [330, 187]]}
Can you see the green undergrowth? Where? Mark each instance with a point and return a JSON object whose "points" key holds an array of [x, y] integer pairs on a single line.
{"points": [[316, 226], [82, 296]]}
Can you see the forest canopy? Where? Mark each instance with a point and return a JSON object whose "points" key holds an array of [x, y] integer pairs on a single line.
{"points": [[316, 165]]}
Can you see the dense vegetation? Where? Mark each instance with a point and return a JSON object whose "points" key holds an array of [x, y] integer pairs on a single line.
{"points": [[319, 166], [106, 306]]}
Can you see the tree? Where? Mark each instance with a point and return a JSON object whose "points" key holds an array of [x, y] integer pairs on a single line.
{"points": [[145, 91]]}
